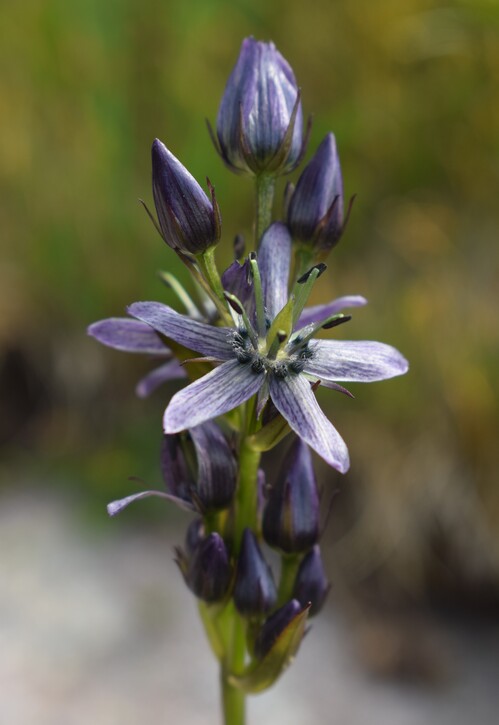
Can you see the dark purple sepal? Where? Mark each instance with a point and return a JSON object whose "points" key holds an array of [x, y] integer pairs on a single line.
{"points": [[311, 584], [291, 516], [274, 626], [208, 573], [254, 590], [315, 211], [260, 123], [189, 220]]}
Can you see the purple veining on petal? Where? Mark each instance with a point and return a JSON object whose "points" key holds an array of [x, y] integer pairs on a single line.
{"points": [[206, 339], [216, 393], [354, 361], [322, 312], [122, 333], [295, 400], [274, 262]]}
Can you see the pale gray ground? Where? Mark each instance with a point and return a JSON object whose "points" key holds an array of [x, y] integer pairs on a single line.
{"points": [[101, 630]]}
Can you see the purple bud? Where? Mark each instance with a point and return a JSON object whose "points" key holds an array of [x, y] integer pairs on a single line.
{"points": [[315, 212], [259, 123], [198, 466], [208, 572], [254, 590], [291, 516], [311, 584], [189, 221], [274, 626]]}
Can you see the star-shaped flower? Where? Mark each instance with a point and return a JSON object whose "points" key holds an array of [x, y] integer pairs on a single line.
{"points": [[270, 357]]}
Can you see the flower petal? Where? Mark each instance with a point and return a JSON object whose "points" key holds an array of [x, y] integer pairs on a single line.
{"points": [[238, 281], [295, 400], [321, 312], [171, 370], [223, 389], [274, 261], [190, 333], [121, 333], [362, 361], [115, 507]]}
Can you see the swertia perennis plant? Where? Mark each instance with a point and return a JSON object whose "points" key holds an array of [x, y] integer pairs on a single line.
{"points": [[247, 351]]}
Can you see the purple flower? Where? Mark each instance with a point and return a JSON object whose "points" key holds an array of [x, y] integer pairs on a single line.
{"points": [[127, 335], [272, 361], [315, 212], [189, 221], [259, 123]]}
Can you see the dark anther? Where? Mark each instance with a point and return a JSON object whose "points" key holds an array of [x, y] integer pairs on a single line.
{"points": [[335, 323], [296, 366], [257, 365], [321, 268], [243, 356], [281, 370]]}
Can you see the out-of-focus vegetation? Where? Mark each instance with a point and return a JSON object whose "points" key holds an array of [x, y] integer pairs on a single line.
{"points": [[407, 88]]}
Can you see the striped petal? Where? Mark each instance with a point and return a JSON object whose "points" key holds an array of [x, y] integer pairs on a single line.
{"points": [[121, 333], [274, 261], [321, 312], [206, 339], [296, 402], [226, 387], [362, 361]]}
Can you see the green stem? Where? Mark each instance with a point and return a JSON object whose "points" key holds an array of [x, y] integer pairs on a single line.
{"points": [[265, 187], [210, 273], [289, 570], [233, 702], [247, 493]]}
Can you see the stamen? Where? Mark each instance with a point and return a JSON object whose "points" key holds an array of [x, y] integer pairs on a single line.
{"points": [[306, 333], [259, 302], [239, 309], [303, 288]]}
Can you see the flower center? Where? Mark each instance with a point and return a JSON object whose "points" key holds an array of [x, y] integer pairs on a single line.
{"points": [[287, 362]]}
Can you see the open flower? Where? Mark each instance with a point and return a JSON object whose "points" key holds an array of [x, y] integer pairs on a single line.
{"points": [[276, 357]]}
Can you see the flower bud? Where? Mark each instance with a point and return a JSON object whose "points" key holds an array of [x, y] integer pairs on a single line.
{"points": [[259, 123], [311, 585], [291, 516], [198, 466], [315, 211], [189, 221], [208, 572], [273, 627], [254, 590]]}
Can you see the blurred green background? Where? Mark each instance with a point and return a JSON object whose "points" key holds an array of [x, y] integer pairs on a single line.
{"points": [[407, 87]]}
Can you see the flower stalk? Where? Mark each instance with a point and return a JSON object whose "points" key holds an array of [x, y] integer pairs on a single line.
{"points": [[247, 357]]}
